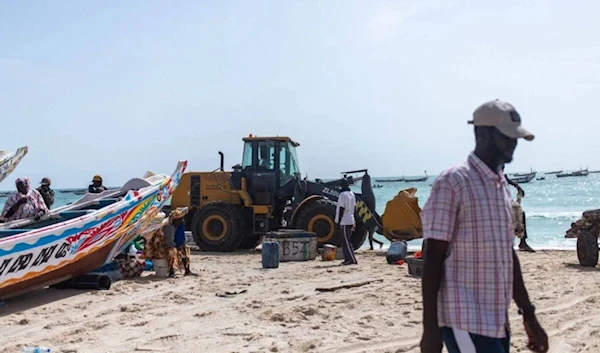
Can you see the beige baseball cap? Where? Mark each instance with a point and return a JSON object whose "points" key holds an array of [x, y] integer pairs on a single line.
{"points": [[503, 116]]}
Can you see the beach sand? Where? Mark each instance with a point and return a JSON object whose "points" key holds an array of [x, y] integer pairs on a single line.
{"points": [[281, 310]]}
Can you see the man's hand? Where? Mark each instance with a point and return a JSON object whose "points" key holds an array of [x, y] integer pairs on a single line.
{"points": [[538, 339], [431, 341], [354, 226]]}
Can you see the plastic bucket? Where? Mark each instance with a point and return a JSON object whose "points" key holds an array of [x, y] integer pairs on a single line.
{"points": [[329, 252], [161, 267]]}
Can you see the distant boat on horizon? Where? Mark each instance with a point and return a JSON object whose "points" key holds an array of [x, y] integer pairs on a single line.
{"points": [[417, 180], [579, 173], [525, 174], [523, 178], [556, 172]]}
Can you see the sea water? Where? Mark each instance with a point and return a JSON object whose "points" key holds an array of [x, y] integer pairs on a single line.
{"points": [[550, 205]]}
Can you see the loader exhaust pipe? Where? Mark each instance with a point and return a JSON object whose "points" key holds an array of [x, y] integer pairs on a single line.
{"points": [[222, 167]]}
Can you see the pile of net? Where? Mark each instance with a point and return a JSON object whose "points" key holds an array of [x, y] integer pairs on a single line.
{"points": [[589, 222]]}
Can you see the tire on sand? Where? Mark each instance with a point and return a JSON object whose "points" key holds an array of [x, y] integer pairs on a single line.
{"points": [[218, 227], [319, 217], [250, 242], [587, 249]]}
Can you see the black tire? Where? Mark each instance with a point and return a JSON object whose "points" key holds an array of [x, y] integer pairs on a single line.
{"points": [[250, 242], [359, 235], [218, 227], [319, 216], [587, 249]]}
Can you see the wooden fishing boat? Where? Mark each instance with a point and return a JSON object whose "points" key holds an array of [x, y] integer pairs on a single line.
{"points": [[81, 237], [555, 172], [579, 173], [9, 161], [417, 180], [531, 171], [523, 178], [389, 180]]}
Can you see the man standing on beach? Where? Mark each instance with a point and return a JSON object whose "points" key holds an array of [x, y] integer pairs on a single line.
{"points": [[344, 216], [519, 217], [471, 271]]}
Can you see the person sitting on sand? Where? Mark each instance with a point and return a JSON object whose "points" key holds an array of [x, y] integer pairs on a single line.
{"points": [[521, 229], [25, 203], [96, 186], [46, 192], [344, 217]]}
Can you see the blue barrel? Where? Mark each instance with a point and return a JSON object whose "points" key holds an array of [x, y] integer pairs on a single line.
{"points": [[270, 254], [396, 252]]}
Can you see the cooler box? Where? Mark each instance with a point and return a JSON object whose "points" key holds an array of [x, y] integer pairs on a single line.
{"points": [[294, 244]]}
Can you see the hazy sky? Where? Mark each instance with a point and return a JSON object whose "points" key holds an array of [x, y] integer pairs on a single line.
{"points": [[121, 87]]}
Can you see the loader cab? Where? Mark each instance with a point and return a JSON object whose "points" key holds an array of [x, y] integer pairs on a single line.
{"points": [[270, 166]]}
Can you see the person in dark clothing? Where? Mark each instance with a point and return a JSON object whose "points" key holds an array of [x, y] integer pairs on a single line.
{"points": [[174, 232], [96, 186], [46, 192], [344, 217]]}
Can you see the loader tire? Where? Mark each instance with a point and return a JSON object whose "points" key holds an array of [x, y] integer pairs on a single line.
{"points": [[359, 235], [319, 217], [218, 227], [587, 249], [250, 242]]}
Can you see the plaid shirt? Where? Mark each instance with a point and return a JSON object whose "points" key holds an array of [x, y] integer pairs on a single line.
{"points": [[469, 208]]}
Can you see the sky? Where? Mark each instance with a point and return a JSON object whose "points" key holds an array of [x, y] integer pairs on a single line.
{"points": [[121, 87]]}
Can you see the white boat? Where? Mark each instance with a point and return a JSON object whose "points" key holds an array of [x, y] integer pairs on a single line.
{"points": [[78, 238]]}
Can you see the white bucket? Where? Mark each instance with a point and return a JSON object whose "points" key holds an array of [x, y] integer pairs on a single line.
{"points": [[161, 267]]}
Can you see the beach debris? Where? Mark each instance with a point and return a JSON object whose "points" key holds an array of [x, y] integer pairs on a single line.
{"points": [[589, 222], [348, 285], [230, 294], [35, 350]]}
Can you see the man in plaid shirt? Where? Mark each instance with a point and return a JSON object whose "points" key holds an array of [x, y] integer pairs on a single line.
{"points": [[471, 271]]}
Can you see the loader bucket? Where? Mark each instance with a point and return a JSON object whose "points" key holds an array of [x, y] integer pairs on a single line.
{"points": [[402, 217]]}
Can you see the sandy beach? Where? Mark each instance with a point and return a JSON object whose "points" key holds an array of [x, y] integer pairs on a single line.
{"points": [[281, 311]]}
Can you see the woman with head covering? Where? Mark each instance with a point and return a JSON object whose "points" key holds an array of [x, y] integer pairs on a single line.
{"points": [[169, 243], [25, 203]]}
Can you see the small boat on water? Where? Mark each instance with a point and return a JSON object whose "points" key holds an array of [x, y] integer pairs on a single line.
{"points": [[417, 180], [523, 178], [78, 238], [541, 178], [579, 173], [377, 186], [525, 174], [9, 161], [389, 180], [555, 172]]}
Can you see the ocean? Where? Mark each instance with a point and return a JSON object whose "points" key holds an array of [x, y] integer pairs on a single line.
{"points": [[550, 205]]}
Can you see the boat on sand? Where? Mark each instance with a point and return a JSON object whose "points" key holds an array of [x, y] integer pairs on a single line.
{"points": [[78, 238], [9, 161]]}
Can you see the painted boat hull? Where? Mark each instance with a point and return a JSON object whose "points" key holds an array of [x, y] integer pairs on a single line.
{"points": [[9, 161], [52, 254]]}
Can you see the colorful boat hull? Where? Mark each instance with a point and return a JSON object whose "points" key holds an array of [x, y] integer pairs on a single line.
{"points": [[9, 161], [52, 254]]}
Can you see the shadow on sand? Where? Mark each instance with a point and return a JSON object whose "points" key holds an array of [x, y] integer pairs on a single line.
{"points": [[37, 298]]}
